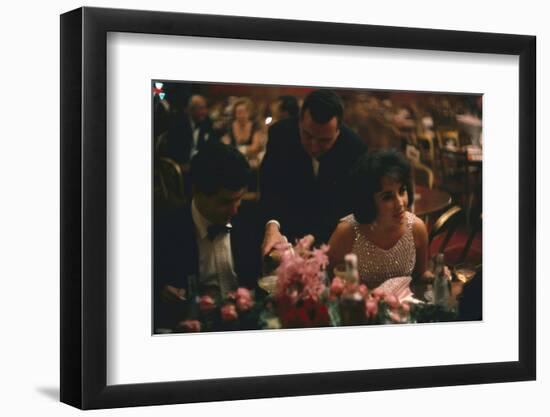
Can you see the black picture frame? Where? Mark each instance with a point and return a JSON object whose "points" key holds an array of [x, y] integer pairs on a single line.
{"points": [[84, 207]]}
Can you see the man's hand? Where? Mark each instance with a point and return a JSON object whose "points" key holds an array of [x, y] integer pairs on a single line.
{"points": [[171, 294], [272, 237]]}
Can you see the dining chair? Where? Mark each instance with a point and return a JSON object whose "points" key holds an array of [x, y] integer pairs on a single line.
{"points": [[446, 225], [423, 175], [447, 138], [425, 143], [170, 181], [160, 143], [459, 176], [475, 229]]}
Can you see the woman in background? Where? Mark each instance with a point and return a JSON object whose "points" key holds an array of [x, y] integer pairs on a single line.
{"points": [[243, 133]]}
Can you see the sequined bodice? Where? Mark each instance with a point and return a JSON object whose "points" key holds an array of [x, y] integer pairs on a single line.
{"points": [[375, 264]]}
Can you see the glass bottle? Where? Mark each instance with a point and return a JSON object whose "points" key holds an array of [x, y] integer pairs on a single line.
{"points": [[352, 273], [441, 284], [193, 297], [352, 305]]}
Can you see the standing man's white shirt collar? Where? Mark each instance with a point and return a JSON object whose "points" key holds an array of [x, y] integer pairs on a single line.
{"points": [[315, 163]]}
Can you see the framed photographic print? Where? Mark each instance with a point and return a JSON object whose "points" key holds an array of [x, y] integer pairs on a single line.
{"points": [[208, 160]]}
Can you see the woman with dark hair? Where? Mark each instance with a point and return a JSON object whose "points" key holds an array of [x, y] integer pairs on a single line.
{"points": [[388, 239]]}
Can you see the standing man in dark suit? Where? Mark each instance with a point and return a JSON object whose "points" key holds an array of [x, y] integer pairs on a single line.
{"points": [[205, 242], [190, 132], [304, 177]]}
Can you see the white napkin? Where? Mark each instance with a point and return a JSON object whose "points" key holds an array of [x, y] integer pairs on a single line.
{"points": [[400, 287]]}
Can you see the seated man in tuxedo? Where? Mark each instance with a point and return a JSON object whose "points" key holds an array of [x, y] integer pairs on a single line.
{"points": [[305, 174], [204, 244]]}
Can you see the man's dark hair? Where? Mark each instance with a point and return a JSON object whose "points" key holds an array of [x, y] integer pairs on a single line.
{"points": [[218, 166], [289, 104], [323, 105], [366, 180]]}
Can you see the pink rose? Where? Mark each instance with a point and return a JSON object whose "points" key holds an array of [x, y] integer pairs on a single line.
{"points": [[207, 303], [244, 299], [392, 301], [394, 316], [292, 296], [336, 286], [229, 312], [371, 306], [244, 304], [378, 293], [190, 325], [351, 288], [243, 292], [363, 290]]}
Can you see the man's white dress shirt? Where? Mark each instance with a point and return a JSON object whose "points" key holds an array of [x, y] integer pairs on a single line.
{"points": [[215, 257]]}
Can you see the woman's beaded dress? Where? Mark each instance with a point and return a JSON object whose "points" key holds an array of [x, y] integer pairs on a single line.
{"points": [[377, 265]]}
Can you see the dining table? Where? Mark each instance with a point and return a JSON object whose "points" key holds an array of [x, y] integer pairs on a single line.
{"points": [[428, 201]]}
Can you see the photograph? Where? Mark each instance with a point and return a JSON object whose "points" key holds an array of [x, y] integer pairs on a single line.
{"points": [[275, 209], [264, 230], [280, 207]]}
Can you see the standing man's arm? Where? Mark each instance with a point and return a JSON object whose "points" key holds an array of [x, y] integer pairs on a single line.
{"points": [[273, 203]]}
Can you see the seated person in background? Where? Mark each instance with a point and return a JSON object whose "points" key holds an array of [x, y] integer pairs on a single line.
{"points": [[243, 133], [190, 132], [387, 238], [206, 239], [304, 177]]}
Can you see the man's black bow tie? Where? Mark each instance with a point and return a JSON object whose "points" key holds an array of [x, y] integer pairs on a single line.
{"points": [[216, 229]]}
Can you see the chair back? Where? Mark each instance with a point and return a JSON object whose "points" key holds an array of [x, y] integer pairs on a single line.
{"points": [[425, 142], [446, 224], [447, 138], [423, 175], [475, 228], [169, 181], [412, 153]]}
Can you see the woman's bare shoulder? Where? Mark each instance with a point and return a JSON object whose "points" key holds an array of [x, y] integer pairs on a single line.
{"points": [[420, 231], [344, 228], [341, 242]]}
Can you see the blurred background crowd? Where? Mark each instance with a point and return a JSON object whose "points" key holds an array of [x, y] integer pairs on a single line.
{"points": [[429, 127]]}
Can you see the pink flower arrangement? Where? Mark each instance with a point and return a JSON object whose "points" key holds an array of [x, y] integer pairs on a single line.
{"points": [[301, 276], [190, 326], [300, 285], [307, 313], [337, 287], [229, 312], [359, 305], [207, 303], [371, 308], [244, 299]]}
